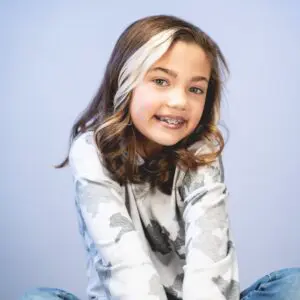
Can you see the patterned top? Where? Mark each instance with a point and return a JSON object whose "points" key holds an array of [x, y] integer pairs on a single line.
{"points": [[145, 245]]}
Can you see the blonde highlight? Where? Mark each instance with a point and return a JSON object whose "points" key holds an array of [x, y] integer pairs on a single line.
{"points": [[108, 114]]}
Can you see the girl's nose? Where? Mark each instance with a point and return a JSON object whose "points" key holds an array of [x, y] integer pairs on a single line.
{"points": [[177, 99]]}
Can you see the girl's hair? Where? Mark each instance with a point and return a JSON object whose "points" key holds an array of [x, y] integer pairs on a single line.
{"points": [[138, 47]]}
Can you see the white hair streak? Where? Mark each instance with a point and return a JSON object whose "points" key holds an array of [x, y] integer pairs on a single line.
{"points": [[137, 65]]}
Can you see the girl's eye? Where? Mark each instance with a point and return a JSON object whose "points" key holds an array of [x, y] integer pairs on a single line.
{"points": [[196, 90], [161, 82]]}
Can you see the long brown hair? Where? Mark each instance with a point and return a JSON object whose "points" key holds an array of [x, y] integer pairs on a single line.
{"points": [[116, 138]]}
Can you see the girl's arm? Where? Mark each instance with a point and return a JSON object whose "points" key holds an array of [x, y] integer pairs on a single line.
{"points": [[128, 273], [211, 271]]}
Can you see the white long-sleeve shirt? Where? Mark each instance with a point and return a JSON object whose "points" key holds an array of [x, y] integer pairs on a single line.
{"points": [[145, 245]]}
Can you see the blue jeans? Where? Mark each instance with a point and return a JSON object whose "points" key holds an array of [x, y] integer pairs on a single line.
{"points": [[280, 285]]}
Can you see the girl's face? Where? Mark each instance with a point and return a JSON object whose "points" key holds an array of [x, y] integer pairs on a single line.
{"points": [[168, 104]]}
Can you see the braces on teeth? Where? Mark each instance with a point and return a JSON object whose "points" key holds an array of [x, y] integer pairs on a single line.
{"points": [[171, 121]]}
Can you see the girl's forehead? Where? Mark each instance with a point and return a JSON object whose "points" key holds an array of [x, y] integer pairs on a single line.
{"points": [[180, 57]]}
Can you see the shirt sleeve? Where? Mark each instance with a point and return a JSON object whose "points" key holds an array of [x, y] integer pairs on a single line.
{"points": [[211, 270], [129, 273]]}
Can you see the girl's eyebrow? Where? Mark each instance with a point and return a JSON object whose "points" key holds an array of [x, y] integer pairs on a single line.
{"points": [[174, 74]]}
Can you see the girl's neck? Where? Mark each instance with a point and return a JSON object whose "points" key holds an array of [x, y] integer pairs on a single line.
{"points": [[147, 148]]}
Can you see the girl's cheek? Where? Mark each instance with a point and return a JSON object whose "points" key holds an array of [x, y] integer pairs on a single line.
{"points": [[145, 103], [144, 111]]}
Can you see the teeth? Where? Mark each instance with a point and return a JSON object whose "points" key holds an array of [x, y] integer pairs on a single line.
{"points": [[170, 121]]}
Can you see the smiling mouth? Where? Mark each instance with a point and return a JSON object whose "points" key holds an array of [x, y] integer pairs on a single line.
{"points": [[170, 122]]}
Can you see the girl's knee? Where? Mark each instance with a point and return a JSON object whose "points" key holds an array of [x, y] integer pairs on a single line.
{"points": [[44, 293], [289, 283], [37, 294]]}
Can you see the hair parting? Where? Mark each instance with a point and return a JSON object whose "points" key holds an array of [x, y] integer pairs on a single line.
{"points": [[108, 114]]}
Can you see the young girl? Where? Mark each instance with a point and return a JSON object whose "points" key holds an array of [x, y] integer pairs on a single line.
{"points": [[150, 192]]}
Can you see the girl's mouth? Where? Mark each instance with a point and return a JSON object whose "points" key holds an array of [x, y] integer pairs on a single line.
{"points": [[172, 123]]}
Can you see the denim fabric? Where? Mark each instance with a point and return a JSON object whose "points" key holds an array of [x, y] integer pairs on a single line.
{"points": [[279, 285], [48, 294]]}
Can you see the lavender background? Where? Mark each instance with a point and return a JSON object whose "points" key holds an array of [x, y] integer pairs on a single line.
{"points": [[52, 57]]}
